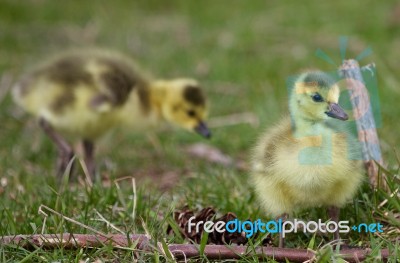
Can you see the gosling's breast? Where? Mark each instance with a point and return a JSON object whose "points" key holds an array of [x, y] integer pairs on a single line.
{"points": [[318, 159], [308, 164]]}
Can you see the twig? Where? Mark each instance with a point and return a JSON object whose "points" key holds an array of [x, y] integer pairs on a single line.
{"points": [[41, 211], [88, 178], [5, 84], [363, 115], [179, 251], [134, 199], [234, 119], [109, 224], [75, 241]]}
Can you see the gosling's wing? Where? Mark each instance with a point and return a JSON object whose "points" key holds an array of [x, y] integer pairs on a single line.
{"points": [[267, 146], [100, 80], [53, 85], [67, 71], [116, 79]]}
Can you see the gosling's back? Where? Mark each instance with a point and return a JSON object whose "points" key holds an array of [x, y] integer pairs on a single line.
{"points": [[84, 92]]}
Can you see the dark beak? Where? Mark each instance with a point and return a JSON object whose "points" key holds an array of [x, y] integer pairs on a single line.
{"points": [[335, 111], [203, 130]]}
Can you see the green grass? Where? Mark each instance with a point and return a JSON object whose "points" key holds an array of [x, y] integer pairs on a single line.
{"points": [[242, 52]]}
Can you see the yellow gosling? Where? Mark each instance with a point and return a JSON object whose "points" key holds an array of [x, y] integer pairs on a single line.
{"points": [[305, 161], [87, 93]]}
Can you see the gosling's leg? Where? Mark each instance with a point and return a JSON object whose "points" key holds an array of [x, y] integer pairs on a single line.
{"points": [[88, 151], [284, 217], [333, 213], [65, 152]]}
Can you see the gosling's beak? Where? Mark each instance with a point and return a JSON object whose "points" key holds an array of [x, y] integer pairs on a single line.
{"points": [[335, 111], [202, 129]]}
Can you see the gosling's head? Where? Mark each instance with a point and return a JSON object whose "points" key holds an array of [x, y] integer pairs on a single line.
{"points": [[315, 97], [184, 104]]}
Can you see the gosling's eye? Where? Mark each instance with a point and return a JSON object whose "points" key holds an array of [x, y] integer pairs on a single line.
{"points": [[317, 98], [191, 113]]}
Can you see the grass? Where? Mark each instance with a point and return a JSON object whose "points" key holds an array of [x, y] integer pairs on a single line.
{"points": [[242, 53]]}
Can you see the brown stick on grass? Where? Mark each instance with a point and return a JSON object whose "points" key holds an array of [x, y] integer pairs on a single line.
{"points": [[178, 251], [363, 115]]}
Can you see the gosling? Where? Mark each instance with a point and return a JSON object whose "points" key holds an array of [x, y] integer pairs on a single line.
{"points": [[85, 94], [308, 160]]}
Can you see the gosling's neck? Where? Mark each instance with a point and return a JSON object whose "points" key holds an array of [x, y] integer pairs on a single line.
{"points": [[143, 108], [157, 95], [303, 126]]}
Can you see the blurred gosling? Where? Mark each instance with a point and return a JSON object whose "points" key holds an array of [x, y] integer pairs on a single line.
{"points": [[87, 93], [304, 161]]}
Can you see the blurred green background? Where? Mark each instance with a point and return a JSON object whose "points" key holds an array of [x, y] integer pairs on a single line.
{"points": [[242, 52]]}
